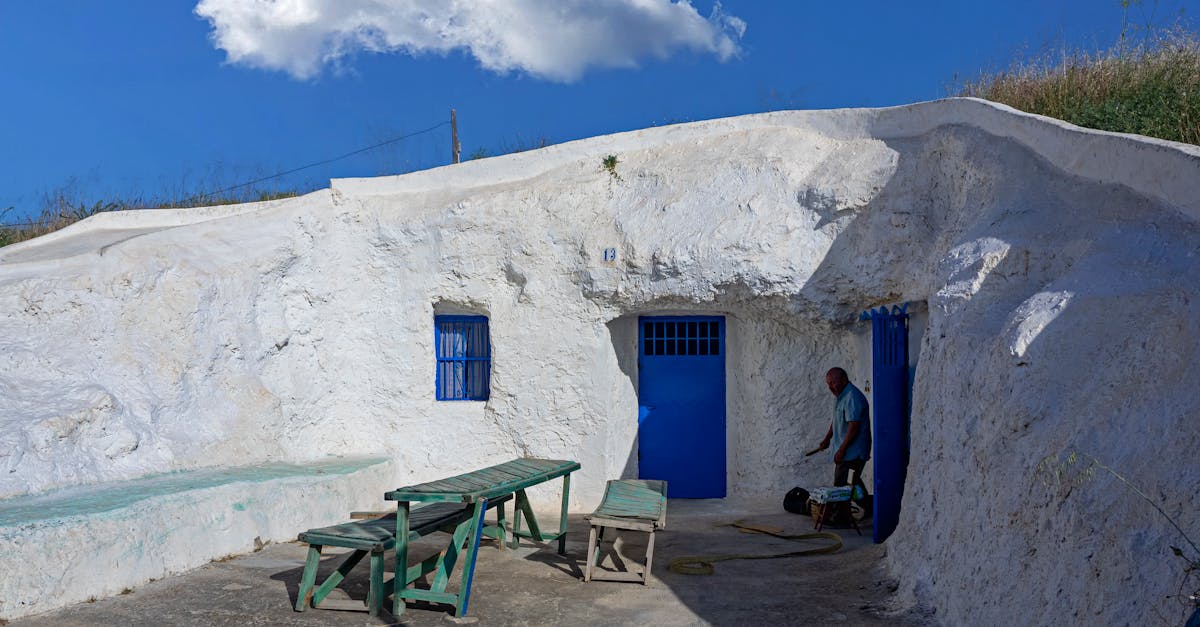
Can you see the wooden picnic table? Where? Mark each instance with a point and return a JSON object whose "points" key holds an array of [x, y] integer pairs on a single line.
{"points": [[475, 488]]}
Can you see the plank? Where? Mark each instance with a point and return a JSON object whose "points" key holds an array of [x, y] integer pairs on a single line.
{"points": [[471, 487], [418, 594], [615, 575]]}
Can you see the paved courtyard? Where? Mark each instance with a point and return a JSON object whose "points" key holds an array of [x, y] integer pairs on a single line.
{"points": [[535, 586]]}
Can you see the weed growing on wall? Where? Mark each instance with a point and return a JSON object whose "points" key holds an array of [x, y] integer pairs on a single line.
{"points": [[1078, 469], [609, 164]]}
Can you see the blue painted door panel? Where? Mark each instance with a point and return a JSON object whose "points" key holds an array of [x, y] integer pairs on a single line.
{"points": [[681, 398], [889, 367]]}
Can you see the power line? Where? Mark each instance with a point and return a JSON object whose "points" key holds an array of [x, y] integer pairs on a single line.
{"points": [[279, 174]]}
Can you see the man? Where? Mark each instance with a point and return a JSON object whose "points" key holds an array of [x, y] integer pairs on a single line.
{"points": [[850, 429]]}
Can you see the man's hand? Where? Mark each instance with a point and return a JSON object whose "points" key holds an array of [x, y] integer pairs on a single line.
{"points": [[839, 456], [824, 444]]}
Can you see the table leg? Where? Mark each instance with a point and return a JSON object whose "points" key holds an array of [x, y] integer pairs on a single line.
{"points": [[649, 559], [449, 557], [309, 578], [500, 522], [516, 530], [464, 593], [591, 555], [375, 591], [535, 532], [562, 521], [400, 581]]}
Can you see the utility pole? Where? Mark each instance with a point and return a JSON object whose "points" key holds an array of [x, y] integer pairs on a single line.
{"points": [[455, 149]]}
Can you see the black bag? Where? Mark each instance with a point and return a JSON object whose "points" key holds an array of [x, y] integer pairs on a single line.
{"points": [[796, 501]]}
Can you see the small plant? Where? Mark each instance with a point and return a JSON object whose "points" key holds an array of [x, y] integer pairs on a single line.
{"points": [[7, 234], [609, 164], [1071, 474]]}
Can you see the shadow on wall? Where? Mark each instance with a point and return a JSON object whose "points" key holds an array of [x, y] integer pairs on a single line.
{"points": [[1040, 299], [1044, 300], [623, 334], [777, 405]]}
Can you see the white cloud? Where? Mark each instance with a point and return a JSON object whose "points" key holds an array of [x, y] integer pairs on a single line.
{"points": [[552, 39]]}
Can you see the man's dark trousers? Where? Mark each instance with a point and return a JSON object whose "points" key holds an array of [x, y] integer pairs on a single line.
{"points": [[842, 471]]}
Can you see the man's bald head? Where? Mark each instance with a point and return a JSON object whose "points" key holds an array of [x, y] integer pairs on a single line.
{"points": [[837, 380]]}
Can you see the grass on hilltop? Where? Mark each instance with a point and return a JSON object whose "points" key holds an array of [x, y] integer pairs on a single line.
{"points": [[67, 204], [62, 208], [1149, 88]]}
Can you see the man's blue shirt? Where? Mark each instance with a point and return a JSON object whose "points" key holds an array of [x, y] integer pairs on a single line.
{"points": [[852, 407]]}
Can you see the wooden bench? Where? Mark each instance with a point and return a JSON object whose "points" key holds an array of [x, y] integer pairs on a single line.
{"points": [[633, 504], [376, 536], [479, 489]]}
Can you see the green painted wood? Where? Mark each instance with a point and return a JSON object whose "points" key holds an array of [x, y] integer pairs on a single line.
{"points": [[562, 515], [633, 498], [418, 594], [406, 495], [304, 595], [516, 528], [500, 524], [399, 583], [374, 536], [375, 592], [464, 591], [627, 504], [379, 533], [472, 486], [336, 577], [417, 571], [450, 557], [527, 510], [486, 487]]}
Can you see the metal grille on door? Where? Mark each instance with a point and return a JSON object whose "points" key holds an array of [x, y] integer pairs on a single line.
{"points": [[681, 338]]}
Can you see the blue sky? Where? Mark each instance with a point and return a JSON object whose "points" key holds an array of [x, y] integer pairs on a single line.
{"points": [[139, 98]]}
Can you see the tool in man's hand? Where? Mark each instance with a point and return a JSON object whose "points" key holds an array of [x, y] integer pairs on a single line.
{"points": [[814, 451]]}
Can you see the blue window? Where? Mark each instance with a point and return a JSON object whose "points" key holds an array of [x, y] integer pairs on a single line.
{"points": [[464, 358]]}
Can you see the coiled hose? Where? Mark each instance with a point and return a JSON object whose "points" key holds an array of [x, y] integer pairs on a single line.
{"points": [[703, 564]]}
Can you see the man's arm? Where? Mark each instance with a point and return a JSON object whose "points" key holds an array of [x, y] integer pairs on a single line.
{"points": [[852, 429]]}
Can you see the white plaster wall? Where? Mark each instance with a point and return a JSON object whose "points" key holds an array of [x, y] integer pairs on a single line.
{"points": [[1051, 260], [52, 563]]}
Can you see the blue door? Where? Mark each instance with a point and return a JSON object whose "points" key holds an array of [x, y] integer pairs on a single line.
{"points": [[681, 398], [889, 368]]}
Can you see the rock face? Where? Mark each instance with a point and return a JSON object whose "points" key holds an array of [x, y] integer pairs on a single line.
{"points": [[1058, 268]]}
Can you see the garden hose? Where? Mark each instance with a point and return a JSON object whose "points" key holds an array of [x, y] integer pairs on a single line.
{"points": [[703, 564]]}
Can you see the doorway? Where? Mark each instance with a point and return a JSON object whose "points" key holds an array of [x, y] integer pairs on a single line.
{"points": [[681, 403]]}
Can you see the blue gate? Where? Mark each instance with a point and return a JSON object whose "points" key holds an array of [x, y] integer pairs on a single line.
{"points": [[889, 367], [681, 399]]}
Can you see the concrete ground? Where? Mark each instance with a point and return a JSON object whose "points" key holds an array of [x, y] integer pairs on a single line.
{"points": [[535, 586]]}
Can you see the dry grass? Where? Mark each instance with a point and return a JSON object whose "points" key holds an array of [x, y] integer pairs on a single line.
{"points": [[65, 206], [1149, 88]]}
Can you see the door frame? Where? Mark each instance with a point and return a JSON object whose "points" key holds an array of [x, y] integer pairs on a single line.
{"points": [[723, 335]]}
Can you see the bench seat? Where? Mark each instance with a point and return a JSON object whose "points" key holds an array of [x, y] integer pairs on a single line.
{"points": [[630, 504], [379, 534], [374, 537]]}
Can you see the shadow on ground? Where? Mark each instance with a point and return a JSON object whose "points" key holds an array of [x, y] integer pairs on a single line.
{"points": [[533, 585]]}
